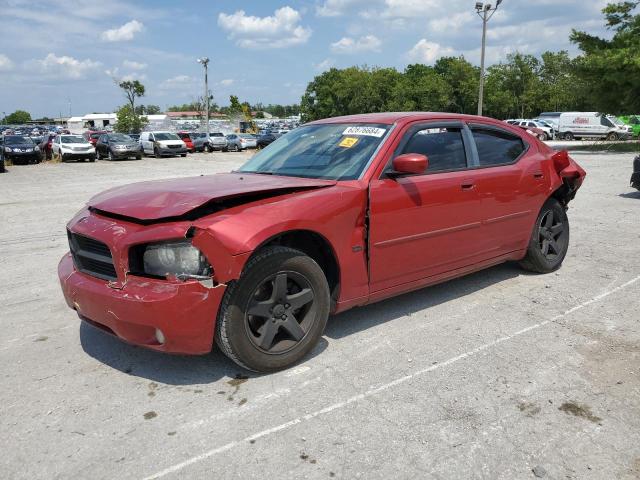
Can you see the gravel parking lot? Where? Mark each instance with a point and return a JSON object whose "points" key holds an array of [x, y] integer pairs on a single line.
{"points": [[501, 374]]}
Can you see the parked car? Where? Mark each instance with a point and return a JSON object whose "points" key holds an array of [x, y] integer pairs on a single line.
{"points": [[162, 144], [240, 141], [338, 213], [266, 139], [184, 136], [45, 145], [535, 131], [21, 150], [590, 125], [115, 146], [548, 132], [73, 147], [632, 121], [92, 136], [217, 141], [551, 117], [635, 176]]}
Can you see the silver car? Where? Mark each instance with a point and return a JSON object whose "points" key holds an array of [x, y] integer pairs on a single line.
{"points": [[215, 141], [241, 141]]}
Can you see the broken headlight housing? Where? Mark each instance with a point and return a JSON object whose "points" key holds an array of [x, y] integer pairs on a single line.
{"points": [[174, 258]]}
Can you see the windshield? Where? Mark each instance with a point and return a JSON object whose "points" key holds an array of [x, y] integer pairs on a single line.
{"points": [[166, 136], [616, 120], [17, 140], [331, 151], [72, 139], [120, 137], [218, 134]]}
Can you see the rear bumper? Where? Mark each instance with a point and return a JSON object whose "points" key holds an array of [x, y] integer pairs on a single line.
{"points": [[185, 312]]}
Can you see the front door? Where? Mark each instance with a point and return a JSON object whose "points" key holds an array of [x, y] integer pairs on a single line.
{"points": [[424, 225]]}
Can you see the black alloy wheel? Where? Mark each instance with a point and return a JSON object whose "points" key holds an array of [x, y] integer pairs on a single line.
{"points": [[280, 312], [550, 233], [275, 313], [549, 240]]}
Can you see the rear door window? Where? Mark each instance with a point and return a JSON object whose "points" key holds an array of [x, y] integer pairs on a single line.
{"points": [[497, 147], [443, 146]]}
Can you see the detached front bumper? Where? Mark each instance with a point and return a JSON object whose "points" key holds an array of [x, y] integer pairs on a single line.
{"points": [[185, 312]]}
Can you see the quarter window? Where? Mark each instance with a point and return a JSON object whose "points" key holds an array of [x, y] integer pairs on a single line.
{"points": [[497, 147], [443, 147]]}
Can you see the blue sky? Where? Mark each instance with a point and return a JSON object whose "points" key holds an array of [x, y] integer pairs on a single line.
{"points": [[56, 52]]}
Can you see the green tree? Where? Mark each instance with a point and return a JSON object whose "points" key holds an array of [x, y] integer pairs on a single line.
{"points": [[464, 79], [610, 68], [127, 121], [132, 89], [420, 88], [17, 117]]}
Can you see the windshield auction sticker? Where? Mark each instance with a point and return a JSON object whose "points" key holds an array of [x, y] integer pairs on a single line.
{"points": [[348, 142], [365, 131]]}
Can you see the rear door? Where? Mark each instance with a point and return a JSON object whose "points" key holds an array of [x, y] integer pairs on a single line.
{"points": [[426, 224], [511, 184]]}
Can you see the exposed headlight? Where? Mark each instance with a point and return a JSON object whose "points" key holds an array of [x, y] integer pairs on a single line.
{"points": [[37, 149], [7, 149], [176, 258]]}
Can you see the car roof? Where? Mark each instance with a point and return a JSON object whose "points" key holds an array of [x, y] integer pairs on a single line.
{"points": [[390, 118]]}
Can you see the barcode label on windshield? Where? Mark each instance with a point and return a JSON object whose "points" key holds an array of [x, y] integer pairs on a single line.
{"points": [[366, 131]]}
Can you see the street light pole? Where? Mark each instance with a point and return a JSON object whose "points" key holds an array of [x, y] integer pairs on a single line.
{"points": [[485, 12], [205, 62]]}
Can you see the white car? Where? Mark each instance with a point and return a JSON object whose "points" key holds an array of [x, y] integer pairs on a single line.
{"points": [[162, 143], [548, 130], [72, 147]]}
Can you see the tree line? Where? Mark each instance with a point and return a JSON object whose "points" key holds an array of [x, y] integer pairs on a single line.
{"points": [[605, 77]]}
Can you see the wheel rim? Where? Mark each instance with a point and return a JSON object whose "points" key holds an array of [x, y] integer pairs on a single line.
{"points": [[280, 312], [551, 235]]}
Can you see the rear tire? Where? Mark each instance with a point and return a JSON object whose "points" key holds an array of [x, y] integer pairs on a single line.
{"points": [[289, 295], [569, 136], [549, 240], [183, 155], [138, 157]]}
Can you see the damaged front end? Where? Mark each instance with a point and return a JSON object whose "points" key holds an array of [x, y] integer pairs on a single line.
{"points": [[115, 278]]}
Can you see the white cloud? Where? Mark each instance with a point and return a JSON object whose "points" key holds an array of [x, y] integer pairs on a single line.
{"points": [[368, 43], [123, 33], [5, 63], [132, 65], [66, 66], [334, 8], [282, 29], [326, 64], [428, 52], [226, 82], [179, 81]]}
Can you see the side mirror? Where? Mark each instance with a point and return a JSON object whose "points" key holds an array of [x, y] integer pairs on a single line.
{"points": [[409, 164]]}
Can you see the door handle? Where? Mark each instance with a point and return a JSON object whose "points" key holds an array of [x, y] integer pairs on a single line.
{"points": [[468, 186], [538, 175]]}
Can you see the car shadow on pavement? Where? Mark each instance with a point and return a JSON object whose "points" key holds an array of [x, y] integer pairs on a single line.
{"points": [[204, 369], [162, 367], [369, 316], [635, 194]]}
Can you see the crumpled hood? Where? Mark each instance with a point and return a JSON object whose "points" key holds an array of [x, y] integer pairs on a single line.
{"points": [[160, 199]]}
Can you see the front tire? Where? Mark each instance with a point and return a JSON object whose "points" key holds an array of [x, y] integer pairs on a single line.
{"points": [[156, 153], [275, 313], [549, 240]]}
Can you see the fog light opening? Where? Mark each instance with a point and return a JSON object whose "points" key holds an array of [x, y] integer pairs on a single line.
{"points": [[160, 336]]}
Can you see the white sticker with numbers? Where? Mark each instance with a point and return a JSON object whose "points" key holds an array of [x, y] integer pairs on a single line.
{"points": [[365, 131]]}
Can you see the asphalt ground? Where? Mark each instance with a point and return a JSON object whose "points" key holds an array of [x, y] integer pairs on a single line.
{"points": [[501, 374]]}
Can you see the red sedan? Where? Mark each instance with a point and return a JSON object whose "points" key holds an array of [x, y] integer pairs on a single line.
{"points": [[186, 138], [336, 214]]}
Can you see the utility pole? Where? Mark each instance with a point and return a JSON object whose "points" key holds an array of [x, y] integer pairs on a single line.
{"points": [[485, 11], [205, 62]]}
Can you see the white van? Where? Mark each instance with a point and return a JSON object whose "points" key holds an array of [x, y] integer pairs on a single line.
{"points": [[162, 143], [590, 125]]}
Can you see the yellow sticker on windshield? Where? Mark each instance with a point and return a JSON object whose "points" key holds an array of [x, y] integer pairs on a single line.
{"points": [[348, 142]]}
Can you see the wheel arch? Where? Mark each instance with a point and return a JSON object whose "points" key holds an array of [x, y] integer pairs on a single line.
{"points": [[316, 246]]}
